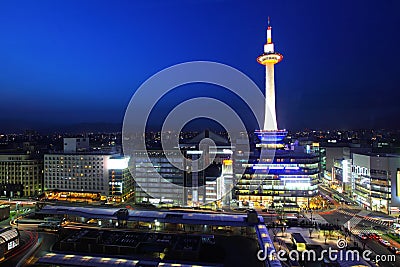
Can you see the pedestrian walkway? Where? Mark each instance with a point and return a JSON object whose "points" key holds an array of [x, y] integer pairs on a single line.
{"points": [[363, 230], [352, 222], [353, 207], [361, 213], [356, 218], [317, 237], [368, 216], [318, 219], [378, 221]]}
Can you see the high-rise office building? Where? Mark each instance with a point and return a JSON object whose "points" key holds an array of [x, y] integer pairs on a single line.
{"points": [[159, 181], [212, 183], [20, 175], [370, 179], [376, 181], [120, 181]]}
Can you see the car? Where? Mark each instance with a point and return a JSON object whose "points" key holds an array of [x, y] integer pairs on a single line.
{"points": [[374, 236], [362, 236], [384, 242], [394, 250]]}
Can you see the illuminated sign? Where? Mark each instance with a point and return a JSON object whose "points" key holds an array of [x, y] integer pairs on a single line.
{"points": [[398, 183], [275, 167], [227, 151], [227, 162], [118, 163], [345, 165], [256, 167], [13, 244], [292, 168]]}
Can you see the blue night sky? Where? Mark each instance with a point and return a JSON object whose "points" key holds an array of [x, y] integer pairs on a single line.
{"points": [[67, 62]]}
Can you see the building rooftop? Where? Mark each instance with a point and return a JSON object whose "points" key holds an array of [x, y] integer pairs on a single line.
{"points": [[150, 216], [78, 153], [79, 260], [298, 238], [219, 140], [373, 154]]}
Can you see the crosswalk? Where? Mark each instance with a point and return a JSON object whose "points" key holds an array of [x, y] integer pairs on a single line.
{"points": [[363, 230], [316, 218], [362, 215], [352, 222], [346, 212], [377, 221]]}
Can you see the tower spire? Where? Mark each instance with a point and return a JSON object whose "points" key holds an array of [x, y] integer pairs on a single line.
{"points": [[269, 37]]}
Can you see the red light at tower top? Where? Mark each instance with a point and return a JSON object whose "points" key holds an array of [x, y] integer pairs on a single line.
{"points": [[269, 33]]}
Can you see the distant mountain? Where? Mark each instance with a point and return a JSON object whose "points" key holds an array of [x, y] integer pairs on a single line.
{"points": [[15, 126], [92, 127]]}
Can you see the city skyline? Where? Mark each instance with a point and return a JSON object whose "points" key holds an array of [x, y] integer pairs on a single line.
{"points": [[152, 134], [70, 63]]}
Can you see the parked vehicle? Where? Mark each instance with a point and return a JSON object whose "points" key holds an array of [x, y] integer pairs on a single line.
{"points": [[394, 250], [384, 242], [373, 236], [362, 236]]}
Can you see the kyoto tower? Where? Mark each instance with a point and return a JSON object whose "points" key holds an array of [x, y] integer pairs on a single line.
{"points": [[270, 132]]}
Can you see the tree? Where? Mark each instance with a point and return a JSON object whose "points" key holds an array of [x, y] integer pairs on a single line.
{"points": [[274, 231], [345, 235], [363, 243], [310, 230], [283, 229]]}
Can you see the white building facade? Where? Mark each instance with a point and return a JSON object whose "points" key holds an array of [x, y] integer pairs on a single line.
{"points": [[377, 181], [76, 172]]}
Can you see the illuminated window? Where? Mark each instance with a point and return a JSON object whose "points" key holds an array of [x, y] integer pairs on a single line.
{"points": [[398, 182]]}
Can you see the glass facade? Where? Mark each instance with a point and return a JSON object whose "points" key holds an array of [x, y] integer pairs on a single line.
{"points": [[289, 179]]}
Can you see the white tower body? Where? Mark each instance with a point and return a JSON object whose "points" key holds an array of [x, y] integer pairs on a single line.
{"points": [[270, 98], [269, 58]]}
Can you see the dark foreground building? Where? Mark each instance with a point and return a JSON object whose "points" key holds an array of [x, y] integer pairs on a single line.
{"points": [[159, 238], [9, 240]]}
